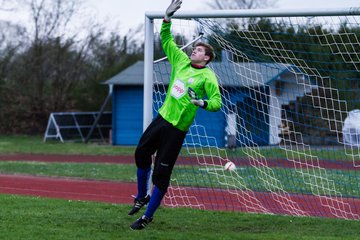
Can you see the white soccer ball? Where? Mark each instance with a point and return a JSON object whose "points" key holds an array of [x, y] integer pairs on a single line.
{"points": [[229, 166]]}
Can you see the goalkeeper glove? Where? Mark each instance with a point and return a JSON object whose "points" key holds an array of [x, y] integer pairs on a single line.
{"points": [[172, 8], [195, 99]]}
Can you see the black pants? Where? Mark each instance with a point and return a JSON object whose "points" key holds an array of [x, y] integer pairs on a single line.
{"points": [[164, 139]]}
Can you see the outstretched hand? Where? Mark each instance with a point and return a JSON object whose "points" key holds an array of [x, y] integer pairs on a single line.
{"points": [[194, 98], [172, 8], [192, 94]]}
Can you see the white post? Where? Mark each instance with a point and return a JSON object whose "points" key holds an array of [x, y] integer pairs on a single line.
{"points": [[260, 13], [148, 71]]}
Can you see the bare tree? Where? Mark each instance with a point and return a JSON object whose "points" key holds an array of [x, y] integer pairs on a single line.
{"points": [[51, 17], [41, 76], [57, 68], [240, 4], [7, 5]]}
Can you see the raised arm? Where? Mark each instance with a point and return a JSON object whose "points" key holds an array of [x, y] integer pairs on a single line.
{"points": [[172, 8]]}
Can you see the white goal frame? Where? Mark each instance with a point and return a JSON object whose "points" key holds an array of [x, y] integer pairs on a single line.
{"points": [[149, 35]]}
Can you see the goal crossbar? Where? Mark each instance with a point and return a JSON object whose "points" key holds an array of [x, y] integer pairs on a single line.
{"points": [[259, 13]]}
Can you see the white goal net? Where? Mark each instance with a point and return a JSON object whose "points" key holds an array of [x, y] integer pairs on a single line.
{"points": [[288, 82]]}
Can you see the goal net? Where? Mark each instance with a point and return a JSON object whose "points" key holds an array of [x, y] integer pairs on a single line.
{"points": [[290, 85]]}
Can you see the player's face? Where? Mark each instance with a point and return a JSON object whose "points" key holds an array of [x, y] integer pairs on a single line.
{"points": [[198, 55]]}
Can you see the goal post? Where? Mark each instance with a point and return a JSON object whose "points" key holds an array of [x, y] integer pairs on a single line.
{"points": [[290, 81], [148, 71]]}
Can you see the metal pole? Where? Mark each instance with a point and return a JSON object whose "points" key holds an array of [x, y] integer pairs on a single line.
{"points": [[100, 113], [259, 13], [148, 71]]}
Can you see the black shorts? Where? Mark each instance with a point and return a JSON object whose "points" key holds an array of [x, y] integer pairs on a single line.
{"points": [[164, 139]]}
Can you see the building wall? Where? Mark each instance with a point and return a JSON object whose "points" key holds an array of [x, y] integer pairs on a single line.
{"points": [[291, 89], [127, 115], [253, 115], [128, 119], [208, 128], [274, 117]]}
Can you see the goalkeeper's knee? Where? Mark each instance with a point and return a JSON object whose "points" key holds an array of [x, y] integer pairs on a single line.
{"points": [[162, 181], [142, 160]]}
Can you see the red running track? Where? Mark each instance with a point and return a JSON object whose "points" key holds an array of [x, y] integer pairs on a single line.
{"points": [[67, 158], [120, 192], [87, 190]]}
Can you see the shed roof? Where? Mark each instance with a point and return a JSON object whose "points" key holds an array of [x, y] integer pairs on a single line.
{"points": [[229, 73]]}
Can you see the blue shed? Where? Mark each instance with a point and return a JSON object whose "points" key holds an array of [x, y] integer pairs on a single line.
{"points": [[271, 86]]}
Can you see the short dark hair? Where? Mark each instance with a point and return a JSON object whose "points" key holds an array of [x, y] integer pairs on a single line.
{"points": [[209, 50]]}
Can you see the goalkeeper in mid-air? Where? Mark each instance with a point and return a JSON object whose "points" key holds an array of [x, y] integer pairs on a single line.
{"points": [[190, 81]]}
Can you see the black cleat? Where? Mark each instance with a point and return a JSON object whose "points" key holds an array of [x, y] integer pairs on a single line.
{"points": [[138, 204], [141, 223]]}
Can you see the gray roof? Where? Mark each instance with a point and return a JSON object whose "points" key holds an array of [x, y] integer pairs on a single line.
{"points": [[229, 74], [133, 75]]}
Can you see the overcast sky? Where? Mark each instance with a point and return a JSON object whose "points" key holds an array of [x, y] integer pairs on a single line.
{"points": [[126, 14], [129, 13]]}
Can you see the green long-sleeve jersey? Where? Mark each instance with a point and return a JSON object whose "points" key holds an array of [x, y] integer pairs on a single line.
{"points": [[177, 108]]}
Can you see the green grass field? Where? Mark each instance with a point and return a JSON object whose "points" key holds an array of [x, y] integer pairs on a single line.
{"points": [[35, 145], [37, 218], [41, 218]]}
